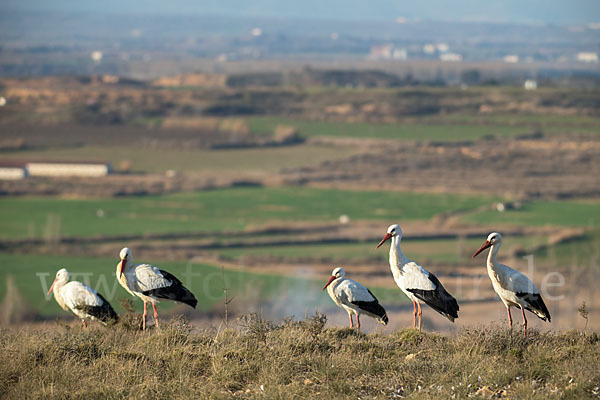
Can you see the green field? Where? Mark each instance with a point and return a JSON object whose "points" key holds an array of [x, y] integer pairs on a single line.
{"points": [[571, 213], [218, 210], [411, 132], [456, 128], [454, 251], [584, 252]]}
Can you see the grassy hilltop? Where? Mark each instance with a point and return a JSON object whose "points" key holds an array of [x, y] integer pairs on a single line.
{"points": [[295, 360]]}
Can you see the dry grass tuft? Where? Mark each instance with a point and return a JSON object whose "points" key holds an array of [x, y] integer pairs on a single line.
{"points": [[294, 359]]}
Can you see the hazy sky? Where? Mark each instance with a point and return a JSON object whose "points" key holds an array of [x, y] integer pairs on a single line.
{"points": [[547, 11]]}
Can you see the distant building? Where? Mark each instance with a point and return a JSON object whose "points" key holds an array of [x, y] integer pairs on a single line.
{"points": [[511, 58], [587, 57], [96, 56], [387, 52], [442, 47], [68, 168], [381, 52], [12, 170], [429, 48], [530, 84], [451, 57], [400, 54]]}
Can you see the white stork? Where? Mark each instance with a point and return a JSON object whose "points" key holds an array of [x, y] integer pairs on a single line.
{"points": [[354, 298], [416, 282], [514, 288], [151, 284], [81, 300]]}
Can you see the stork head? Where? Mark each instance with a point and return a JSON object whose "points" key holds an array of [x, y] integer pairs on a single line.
{"points": [[125, 255], [392, 231], [62, 276], [493, 238], [335, 274]]}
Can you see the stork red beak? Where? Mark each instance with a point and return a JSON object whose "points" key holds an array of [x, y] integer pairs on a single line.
{"points": [[122, 267], [328, 282], [482, 248], [52, 286], [385, 238]]}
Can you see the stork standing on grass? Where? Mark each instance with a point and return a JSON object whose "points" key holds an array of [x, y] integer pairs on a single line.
{"points": [[416, 282], [151, 284], [514, 288], [81, 300], [354, 298]]}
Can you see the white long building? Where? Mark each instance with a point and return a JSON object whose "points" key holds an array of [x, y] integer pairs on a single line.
{"points": [[68, 168], [14, 170]]}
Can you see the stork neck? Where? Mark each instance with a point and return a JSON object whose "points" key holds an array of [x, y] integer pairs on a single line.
{"points": [[58, 285], [397, 258], [491, 259], [57, 294], [332, 286]]}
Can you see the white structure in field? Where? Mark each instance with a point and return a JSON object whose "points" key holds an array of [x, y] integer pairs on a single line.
{"points": [[12, 171], [530, 84], [511, 58], [66, 168], [451, 57], [587, 57], [96, 56], [388, 52]]}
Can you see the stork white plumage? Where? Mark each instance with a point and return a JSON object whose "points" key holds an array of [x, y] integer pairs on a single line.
{"points": [[416, 282], [354, 298], [151, 284], [514, 288], [81, 300]]}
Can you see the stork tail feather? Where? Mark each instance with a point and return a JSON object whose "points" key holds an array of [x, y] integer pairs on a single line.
{"points": [[374, 309], [536, 305], [175, 292], [438, 299]]}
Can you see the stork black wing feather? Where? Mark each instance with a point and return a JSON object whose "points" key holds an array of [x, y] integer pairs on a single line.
{"points": [[536, 305], [176, 291], [104, 313], [439, 299], [372, 307]]}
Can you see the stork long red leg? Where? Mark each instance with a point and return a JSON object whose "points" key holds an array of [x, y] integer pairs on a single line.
{"points": [[351, 321], [144, 316], [524, 323], [420, 312], [414, 315], [84, 324], [155, 315], [357, 322], [509, 318]]}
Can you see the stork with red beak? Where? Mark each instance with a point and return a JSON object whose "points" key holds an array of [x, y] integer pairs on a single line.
{"points": [[416, 282], [354, 298], [151, 284], [514, 288], [81, 300]]}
